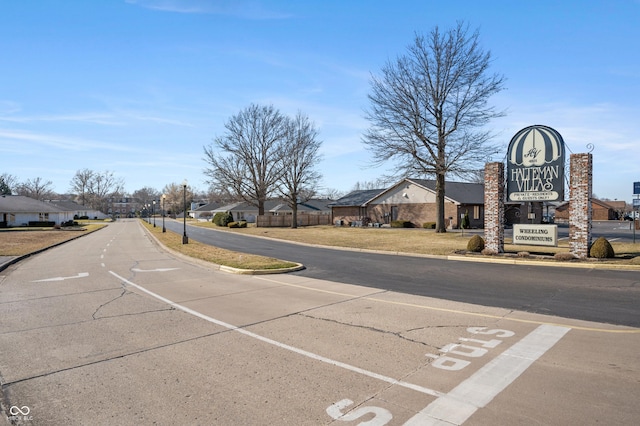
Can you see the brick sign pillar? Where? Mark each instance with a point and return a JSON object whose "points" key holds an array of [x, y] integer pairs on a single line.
{"points": [[494, 207], [581, 169]]}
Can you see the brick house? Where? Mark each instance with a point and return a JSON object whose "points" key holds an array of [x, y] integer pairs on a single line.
{"points": [[413, 200], [600, 210]]}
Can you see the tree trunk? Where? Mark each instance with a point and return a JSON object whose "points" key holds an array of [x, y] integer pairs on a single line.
{"points": [[294, 216], [440, 224]]}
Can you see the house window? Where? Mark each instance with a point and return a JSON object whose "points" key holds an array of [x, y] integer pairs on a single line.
{"points": [[44, 217], [476, 212]]}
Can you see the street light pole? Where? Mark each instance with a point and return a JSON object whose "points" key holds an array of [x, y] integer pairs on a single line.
{"points": [[185, 239], [153, 213], [163, 198]]}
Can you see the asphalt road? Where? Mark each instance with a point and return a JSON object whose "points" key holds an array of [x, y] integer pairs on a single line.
{"points": [[589, 294], [111, 329]]}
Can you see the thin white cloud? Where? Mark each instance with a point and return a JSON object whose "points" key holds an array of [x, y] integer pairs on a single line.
{"points": [[93, 118], [64, 143], [245, 9], [8, 107]]}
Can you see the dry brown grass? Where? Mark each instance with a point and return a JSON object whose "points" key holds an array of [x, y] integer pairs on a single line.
{"points": [[214, 254], [25, 241], [421, 241]]}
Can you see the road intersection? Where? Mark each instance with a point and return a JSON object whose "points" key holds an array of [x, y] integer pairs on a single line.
{"points": [[133, 335]]}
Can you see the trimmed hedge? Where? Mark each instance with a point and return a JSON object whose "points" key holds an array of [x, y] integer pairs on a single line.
{"points": [[240, 224], [429, 225], [401, 224], [41, 224], [222, 218]]}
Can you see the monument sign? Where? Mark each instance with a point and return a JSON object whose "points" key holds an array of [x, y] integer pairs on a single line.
{"points": [[535, 165]]}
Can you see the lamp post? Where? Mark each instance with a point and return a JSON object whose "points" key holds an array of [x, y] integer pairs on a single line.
{"points": [[153, 213], [163, 198], [185, 239]]}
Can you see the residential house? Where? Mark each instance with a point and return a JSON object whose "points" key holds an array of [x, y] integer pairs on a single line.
{"points": [[78, 210], [413, 200], [244, 211], [205, 212], [600, 210], [18, 210]]}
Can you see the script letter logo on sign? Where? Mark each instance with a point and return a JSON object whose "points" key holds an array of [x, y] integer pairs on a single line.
{"points": [[535, 165]]}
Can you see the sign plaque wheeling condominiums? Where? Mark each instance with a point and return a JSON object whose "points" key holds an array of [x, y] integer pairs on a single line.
{"points": [[535, 165]]}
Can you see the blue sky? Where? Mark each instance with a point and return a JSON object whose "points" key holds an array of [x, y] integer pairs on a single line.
{"points": [[138, 87]]}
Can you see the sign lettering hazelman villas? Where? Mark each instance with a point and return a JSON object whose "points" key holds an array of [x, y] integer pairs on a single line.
{"points": [[535, 165]]}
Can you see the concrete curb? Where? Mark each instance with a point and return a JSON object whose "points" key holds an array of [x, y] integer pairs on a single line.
{"points": [[471, 258], [223, 268]]}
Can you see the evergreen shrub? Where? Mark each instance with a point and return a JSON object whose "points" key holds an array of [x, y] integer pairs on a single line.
{"points": [[222, 218], [601, 249], [475, 244]]}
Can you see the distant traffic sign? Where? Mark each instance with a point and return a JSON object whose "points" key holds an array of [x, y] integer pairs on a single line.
{"points": [[636, 188]]}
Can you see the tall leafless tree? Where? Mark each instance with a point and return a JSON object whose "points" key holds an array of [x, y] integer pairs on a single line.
{"points": [[80, 183], [429, 109], [245, 161], [36, 188], [299, 179], [7, 183], [175, 196], [95, 189]]}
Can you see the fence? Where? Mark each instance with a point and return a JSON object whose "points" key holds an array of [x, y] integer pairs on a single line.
{"points": [[282, 221]]}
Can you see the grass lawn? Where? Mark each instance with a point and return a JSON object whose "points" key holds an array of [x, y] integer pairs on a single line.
{"points": [[214, 254], [421, 241], [21, 241]]}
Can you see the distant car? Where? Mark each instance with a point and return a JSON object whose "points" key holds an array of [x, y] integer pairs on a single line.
{"points": [[548, 218], [632, 215]]}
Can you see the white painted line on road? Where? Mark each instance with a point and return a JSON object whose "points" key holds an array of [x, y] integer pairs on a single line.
{"points": [[477, 391], [154, 270], [80, 275], [299, 351]]}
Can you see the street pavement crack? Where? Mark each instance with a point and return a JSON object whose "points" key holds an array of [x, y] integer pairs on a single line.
{"points": [[116, 357], [364, 327], [122, 293], [66, 324]]}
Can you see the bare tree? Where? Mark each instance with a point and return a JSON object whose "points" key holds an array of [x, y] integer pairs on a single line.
{"points": [[145, 196], [36, 188], [379, 183], [175, 196], [7, 183], [300, 179], [332, 193], [245, 161], [429, 109], [102, 187], [80, 183], [96, 188]]}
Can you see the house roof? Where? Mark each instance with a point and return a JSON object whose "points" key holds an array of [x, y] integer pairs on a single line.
{"points": [[565, 206], [461, 192], [67, 205], [358, 198], [275, 205], [208, 207], [313, 205], [22, 204]]}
